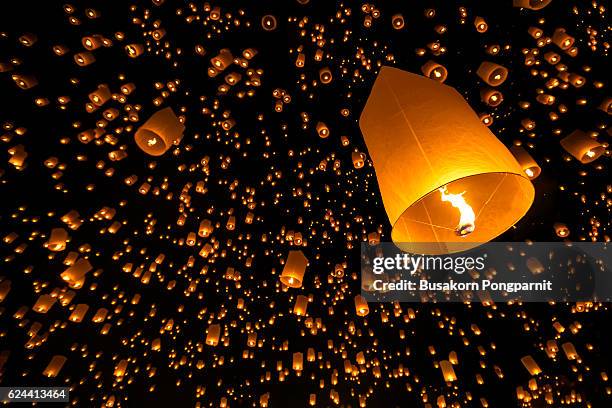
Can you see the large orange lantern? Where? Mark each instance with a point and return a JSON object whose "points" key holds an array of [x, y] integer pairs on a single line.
{"points": [[445, 179]]}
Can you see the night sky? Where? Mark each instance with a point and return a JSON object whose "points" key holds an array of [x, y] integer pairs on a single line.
{"points": [[252, 162]]}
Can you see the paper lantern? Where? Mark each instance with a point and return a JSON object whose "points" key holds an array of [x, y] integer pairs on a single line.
{"points": [[562, 39], [159, 132], [293, 272], [57, 240], [83, 59], [322, 130], [361, 306], [301, 304], [527, 163], [268, 22], [447, 371], [493, 74], [358, 159], [561, 229], [325, 75], [24, 81], [491, 97], [444, 177], [582, 147], [55, 366], [435, 71], [134, 50], [532, 4], [74, 276], [397, 21], [212, 336], [531, 365], [222, 60], [480, 24]]}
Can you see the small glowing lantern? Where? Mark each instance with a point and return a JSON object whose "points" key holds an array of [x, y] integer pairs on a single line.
{"points": [[531, 365], [293, 272], [55, 366], [157, 134], [212, 337], [463, 186], [397, 21], [301, 304], [582, 147], [561, 230], [493, 74], [57, 240], [435, 71], [528, 164], [562, 39], [361, 306], [447, 371]]}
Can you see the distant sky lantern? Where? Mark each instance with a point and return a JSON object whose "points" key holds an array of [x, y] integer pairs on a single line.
{"points": [[435, 71], [528, 164], [293, 272], [582, 146], [361, 306], [493, 74], [463, 186], [159, 132]]}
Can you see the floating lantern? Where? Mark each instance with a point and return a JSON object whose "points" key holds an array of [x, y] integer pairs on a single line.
{"points": [[463, 186], [322, 130], [212, 336], [480, 24], [100, 95], [55, 366], [293, 272], [358, 159], [435, 71], [397, 21], [159, 132], [491, 97], [582, 147], [532, 4], [527, 163], [24, 81], [561, 230], [222, 60], [83, 59], [562, 39], [301, 304], [325, 75], [531, 365], [447, 371], [268, 22], [57, 240], [361, 306], [493, 74], [134, 50]]}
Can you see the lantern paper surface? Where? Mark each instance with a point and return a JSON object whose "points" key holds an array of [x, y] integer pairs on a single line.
{"points": [[432, 156]]}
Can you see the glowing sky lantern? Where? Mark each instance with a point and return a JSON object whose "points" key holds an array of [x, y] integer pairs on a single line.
{"points": [[462, 186]]}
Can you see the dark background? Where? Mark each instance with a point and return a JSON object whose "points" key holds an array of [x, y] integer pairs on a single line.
{"points": [[277, 142]]}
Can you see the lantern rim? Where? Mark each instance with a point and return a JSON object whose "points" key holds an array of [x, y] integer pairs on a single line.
{"points": [[463, 243]]}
